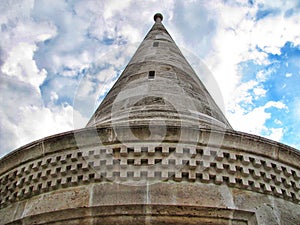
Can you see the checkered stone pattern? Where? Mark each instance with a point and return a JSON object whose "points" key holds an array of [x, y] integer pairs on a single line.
{"points": [[144, 163]]}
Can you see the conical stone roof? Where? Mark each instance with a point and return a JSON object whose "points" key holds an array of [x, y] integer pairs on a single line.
{"points": [[158, 86]]}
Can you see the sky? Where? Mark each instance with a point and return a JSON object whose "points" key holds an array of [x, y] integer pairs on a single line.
{"points": [[59, 58]]}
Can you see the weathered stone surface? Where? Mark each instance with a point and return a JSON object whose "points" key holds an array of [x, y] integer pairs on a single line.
{"points": [[136, 99], [158, 159], [177, 174], [76, 197]]}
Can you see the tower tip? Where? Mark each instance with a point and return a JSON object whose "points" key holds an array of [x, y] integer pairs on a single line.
{"points": [[158, 17]]}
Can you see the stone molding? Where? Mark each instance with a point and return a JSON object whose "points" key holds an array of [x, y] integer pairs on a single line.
{"points": [[145, 214], [145, 162]]}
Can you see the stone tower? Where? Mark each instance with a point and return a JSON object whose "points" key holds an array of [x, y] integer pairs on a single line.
{"points": [[158, 150]]}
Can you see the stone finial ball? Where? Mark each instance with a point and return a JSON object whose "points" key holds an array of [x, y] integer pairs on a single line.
{"points": [[158, 15]]}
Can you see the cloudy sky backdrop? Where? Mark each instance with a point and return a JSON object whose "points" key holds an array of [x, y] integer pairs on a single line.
{"points": [[58, 58]]}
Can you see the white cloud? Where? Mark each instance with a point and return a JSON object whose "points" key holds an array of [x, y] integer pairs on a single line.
{"points": [[71, 65], [288, 74], [86, 88], [59, 41], [242, 96], [259, 92], [278, 105], [106, 74], [113, 6], [238, 38], [230, 45], [54, 120], [264, 75], [15, 9], [79, 121], [20, 65], [276, 134], [277, 121], [253, 121], [54, 97], [24, 118]]}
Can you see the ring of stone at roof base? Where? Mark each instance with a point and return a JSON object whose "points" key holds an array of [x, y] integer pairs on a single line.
{"points": [[140, 93], [213, 139], [216, 140]]}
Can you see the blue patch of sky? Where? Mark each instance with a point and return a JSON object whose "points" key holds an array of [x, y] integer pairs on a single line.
{"points": [[287, 73], [42, 54], [238, 3], [249, 70], [65, 87], [46, 91], [262, 13], [4, 28], [284, 67], [251, 2], [106, 40], [289, 13], [290, 59], [71, 6], [66, 69], [282, 84], [277, 115], [54, 81]]}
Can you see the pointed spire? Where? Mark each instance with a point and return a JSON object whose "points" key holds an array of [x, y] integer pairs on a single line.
{"points": [[159, 86]]}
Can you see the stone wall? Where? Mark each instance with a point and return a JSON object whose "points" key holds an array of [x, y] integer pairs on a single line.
{"points": [[230, 175]]}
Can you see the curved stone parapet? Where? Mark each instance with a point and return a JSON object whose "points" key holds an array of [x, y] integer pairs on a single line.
{"points": [[225, 170]]}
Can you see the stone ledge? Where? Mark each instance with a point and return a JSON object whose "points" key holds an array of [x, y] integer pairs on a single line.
{"points": [[232, 140], [143, 163], [189, 197], [143, 214]]}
